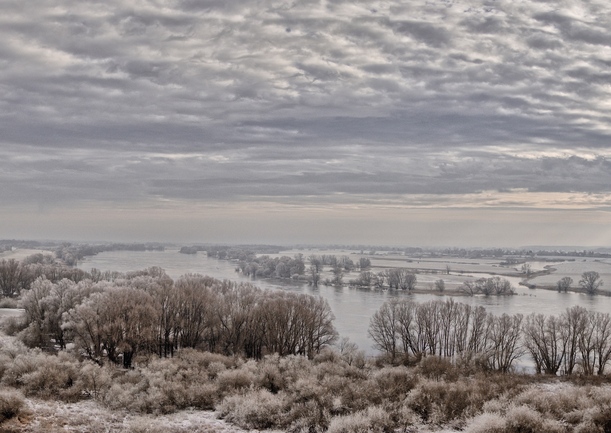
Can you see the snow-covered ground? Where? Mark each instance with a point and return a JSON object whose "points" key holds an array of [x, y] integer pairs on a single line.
{"points": [[43, 416]]}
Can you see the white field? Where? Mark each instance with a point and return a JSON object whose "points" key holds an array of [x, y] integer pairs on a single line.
{"points": [[574, 269], [88, 416]]}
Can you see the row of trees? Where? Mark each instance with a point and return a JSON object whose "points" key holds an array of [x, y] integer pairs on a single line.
{"points": [[150, 314], [295, 267], [273, 267], [17, 276], [590, 282], [392, 278], [577, 340], [70, 254], [487, 286]]}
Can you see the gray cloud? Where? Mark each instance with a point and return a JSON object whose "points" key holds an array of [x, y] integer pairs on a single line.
{"points": [[302, 101]]}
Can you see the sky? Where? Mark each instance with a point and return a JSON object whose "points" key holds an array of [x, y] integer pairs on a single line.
{"points": [[416, 123]]}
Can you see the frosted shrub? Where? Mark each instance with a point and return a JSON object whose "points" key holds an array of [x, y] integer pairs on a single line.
{"points": [[93, 380], [229, 381], [307, 389], [21, 364], [11, 404], [293, 367], [46, 376], [372, 420], [129, 391], [598, 418], [522, 419], [394, 383], [256, 409], [441, 402], [202, 396], [203, 360], [215, 368], [52, 376], [269, 377], [486, 423], [308, 417], [328, 354], [10, 348], [13, 325], [435, 367]]}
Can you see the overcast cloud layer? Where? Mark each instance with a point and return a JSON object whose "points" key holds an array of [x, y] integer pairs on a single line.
{"points": [[180, 104]]}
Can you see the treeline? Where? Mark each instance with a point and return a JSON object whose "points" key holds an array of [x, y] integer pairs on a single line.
{"points": [[145, 313], [18, 276], [239, 252], [393, 278], [273, 267], [9, 244], [296, 267], [70, 254], [576, 341]]}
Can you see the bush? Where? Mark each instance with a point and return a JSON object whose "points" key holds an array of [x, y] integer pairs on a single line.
{"points": [[269, 376], [442, 402], [487, 423], [55, 377], [372, 420], [256, 409], [11, 404], [93, 380], [523, 419], [45, 376], [13, 325], [435, 367], [394, 383], [230, 381], [308, 417]]}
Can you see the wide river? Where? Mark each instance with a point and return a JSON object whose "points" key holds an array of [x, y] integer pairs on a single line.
{"points": [[352, 307]]}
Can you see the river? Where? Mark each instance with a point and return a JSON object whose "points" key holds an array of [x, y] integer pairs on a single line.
{"points": [[352, 307]]}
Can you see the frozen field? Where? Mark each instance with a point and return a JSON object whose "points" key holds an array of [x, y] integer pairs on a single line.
{"points": [[574, 269]]}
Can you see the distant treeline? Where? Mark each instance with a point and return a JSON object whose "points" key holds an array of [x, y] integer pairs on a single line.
{"points": [[236, 252], [18, 276], [71, 254]]}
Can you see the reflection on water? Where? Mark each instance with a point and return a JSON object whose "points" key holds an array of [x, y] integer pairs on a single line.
{"points": [[352, 307]]}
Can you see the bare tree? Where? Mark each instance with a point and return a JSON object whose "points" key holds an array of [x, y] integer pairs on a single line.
{"points": [[11, 277], [469, 288], [574, 322], [602, 340], [383, 328], [407, 280], [590, 282], [401, 279], [316, 262], [505, 339], [564, 284], [544, 340]]}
